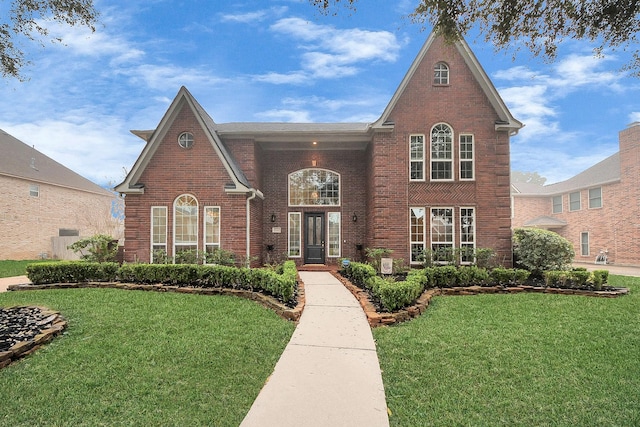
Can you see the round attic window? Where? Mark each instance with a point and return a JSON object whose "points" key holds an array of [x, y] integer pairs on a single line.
{"points": [[185, 140]]}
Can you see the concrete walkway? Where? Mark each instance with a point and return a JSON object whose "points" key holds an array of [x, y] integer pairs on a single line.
{"points": [[5, 282], [328, 375]]}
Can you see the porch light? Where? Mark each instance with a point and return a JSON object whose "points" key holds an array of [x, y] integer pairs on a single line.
{"points": [[354, 217], [273, 217]]}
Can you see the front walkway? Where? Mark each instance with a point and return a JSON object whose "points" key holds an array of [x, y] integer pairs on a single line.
{"points": [[328, 375]]}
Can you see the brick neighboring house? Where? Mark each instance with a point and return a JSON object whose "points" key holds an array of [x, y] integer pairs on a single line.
{"points": [[597, 210], [431, 172], [43, 204]]}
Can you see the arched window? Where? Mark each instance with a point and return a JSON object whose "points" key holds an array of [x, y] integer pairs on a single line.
{"points": [[441, 74], [441, 152], [313, 187], [185, 224]]}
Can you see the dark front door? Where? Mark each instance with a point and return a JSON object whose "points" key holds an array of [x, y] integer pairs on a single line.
{"points": [[314, 238]]}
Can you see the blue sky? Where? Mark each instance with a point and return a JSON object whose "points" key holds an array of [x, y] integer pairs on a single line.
{"points": [[281, 60]]}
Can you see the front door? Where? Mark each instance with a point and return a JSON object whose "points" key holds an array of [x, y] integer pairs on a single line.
{"points": [[314, 238]]}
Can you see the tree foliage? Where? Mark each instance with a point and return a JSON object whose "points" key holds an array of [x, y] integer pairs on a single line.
{"points": [[528, 177], [29, 19], [538, 25], [98, 248]]}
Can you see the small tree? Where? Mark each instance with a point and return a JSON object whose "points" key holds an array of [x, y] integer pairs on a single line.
{"points": [[540, 250], [97, 248]]}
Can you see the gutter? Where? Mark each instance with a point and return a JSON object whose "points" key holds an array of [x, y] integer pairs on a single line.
{"points": [[248, 237]]}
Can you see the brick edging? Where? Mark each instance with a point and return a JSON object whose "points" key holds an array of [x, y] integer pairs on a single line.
{"points": [[280, 309], [376, 319], [25, 348]]}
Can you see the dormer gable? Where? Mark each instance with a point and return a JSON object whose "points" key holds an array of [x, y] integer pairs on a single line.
{"points": [[238, 181]]}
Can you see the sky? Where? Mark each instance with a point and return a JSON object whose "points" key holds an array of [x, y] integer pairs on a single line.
{"points": [[282, 60]]}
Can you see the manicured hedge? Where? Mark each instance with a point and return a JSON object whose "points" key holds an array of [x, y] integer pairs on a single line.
{"points": [[280, 284], [72, 272], [576, 278]]}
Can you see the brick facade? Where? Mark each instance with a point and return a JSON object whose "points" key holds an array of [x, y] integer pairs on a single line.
{"points": [[372, 161], [614, 227]]}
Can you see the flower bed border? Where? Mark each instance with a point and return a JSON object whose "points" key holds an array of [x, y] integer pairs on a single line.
{"points": [[25, 348], [377, 319]]}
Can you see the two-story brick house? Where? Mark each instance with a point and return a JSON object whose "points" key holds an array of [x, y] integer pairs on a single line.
{"points": [[597, 210], [432, 172], [45, 206]]}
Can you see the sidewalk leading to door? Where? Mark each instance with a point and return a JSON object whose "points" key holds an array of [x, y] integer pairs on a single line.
{"points": [[328, 375]]}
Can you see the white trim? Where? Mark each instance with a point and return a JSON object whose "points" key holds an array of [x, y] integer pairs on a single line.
{"points": [[453, 227], [472, 160], [174, 222], [314, 206], [289, 216], [423, 160], [450, 161], [329, 235], [424, 231], [474, 224], [582, 233], [166, 231], [205, 229]]}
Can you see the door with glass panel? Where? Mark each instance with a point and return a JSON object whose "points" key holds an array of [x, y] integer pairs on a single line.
{"points": [[314, 238]]}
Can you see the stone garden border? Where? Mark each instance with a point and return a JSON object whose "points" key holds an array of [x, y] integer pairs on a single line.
{"points": [[25, 348], [376, 319]]}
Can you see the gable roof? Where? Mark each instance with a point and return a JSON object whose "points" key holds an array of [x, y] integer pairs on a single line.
{"points": [[506, 122], [605, 172], [19, 160], [240, 183]]}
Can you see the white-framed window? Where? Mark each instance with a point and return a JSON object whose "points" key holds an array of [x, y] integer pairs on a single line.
{"points": [[417, 233], [334, 234], [442, 234], [595, 198], [34, 190], [185, 224], [584, 243], [574, 201], [556, 204], [185, 140], [467, 164], [314, 187], [441, 153], [158, 233], [467, 235], [441, 74], [211, 229], [416, 154], [295, 235]]}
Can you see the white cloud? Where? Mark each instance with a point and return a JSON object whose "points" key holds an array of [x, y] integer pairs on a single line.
{"points": [[331, 53], [244, 17], [634, 117], [293, 116]]}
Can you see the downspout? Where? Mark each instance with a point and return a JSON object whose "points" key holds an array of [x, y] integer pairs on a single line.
{"points": [[249, 199]]}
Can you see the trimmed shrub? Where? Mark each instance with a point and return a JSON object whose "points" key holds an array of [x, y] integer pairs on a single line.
{"points": [[72, 272], [445, 276], [395, 295], [508, 276], [472, 275], [540, 250], [600, 277], [359, 274]]}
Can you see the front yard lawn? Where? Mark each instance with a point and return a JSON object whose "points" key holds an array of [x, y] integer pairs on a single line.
{"points": [[10, 268], [524, 359], [143, 358]]}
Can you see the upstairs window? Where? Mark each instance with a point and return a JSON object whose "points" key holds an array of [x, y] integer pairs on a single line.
{"points": [[595, 198], [416, 148], [441, 74], [313, 187], [466, 158], [556, 202], [441, 153], [574, 201], [34, 190]]}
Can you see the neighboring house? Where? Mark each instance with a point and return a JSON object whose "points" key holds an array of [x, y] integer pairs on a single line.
{"points": [[44, 205], [431, 173], [597, 210]]}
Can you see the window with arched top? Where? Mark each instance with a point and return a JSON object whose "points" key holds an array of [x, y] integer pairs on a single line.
{"points": [[185, 224], [441, 152], [314, 187], [441, 74]]}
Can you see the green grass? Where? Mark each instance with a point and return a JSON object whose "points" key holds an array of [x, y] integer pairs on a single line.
{"points": [[14, 268], [143, 358], [516, 360]]}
